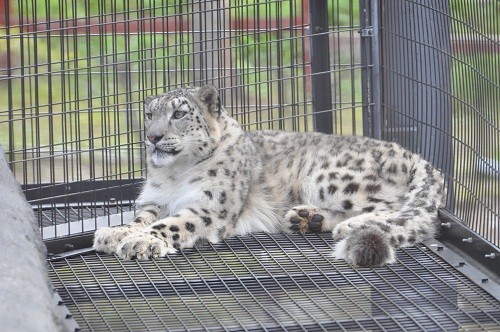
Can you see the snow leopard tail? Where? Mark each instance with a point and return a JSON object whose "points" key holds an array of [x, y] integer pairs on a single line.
{"points": [[365, 247], [372, 239]]}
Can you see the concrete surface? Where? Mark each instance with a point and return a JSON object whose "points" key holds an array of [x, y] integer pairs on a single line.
{"points": [[26, 297]]}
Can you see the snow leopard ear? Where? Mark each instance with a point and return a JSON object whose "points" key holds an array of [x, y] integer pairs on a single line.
{"points": [[149, 100], [209, 95]]}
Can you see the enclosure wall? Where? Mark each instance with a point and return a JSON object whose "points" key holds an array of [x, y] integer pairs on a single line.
{"points": [[440, 78]]}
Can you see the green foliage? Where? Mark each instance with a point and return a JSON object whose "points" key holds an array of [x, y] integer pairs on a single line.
{"points": [[340, 12], [343, 13], [71, 9], [476, 79], [472, 16]]}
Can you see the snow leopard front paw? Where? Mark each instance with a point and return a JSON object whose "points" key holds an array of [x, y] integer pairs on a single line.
{"points": [[106, 239], [142, 246], [304, 218]]}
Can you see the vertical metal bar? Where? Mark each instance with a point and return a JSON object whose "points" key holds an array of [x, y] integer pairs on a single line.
{"points": [[200, 54], [280, 63], [6, 21], [204, 33], [321, 85], [366, 66], [376, 77], [370, 61]]}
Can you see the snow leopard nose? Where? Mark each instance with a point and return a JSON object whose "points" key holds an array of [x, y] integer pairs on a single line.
{"points": [[154, 139]]}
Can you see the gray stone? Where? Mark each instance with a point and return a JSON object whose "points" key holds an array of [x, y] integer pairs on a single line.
{"points": [[26, 295]]}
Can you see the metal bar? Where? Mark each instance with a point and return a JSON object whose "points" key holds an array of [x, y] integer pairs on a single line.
{"points": [[6, 22], [467, 266], [376, 76], [365, 32], [321, 85], [83, 191], [62, 244], [469, 244], [370, 61]]}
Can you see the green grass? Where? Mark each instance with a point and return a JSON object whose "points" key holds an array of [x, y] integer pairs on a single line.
{"points": [[484, 19]]}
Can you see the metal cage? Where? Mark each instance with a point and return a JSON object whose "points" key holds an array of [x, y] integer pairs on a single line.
{"points": [[424, 73]]}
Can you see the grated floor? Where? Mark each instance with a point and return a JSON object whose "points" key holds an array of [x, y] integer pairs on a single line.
{"points": [[271, 282]]}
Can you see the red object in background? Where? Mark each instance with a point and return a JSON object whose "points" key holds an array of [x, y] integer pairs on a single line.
{"points": [[4, 5], [119, 24], [3, 13]]}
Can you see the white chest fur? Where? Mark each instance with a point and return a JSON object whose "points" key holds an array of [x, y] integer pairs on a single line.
{"points": [[172, 192]]}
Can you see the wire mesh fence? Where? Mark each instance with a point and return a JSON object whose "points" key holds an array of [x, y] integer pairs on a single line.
{"points": [[476, 122], [73, 76], [441, 77]]}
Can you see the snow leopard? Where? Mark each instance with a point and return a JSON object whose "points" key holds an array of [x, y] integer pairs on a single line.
{"points": [[208, 179]]}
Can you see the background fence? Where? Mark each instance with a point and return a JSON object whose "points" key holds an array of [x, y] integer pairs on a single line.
{"points": [[73, 75]]}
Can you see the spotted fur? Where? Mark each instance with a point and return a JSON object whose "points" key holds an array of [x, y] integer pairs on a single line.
{"points": [[208, 180]]}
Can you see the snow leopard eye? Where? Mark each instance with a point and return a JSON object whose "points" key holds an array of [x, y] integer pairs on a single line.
{"points": [[179, 114], [149, 115]]}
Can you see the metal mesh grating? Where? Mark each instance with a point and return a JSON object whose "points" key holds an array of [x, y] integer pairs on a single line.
{"points": [[270, 282]]}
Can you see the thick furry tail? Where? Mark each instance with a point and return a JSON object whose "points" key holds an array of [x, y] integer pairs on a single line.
{"points": [[371, 239], [368, 247]]}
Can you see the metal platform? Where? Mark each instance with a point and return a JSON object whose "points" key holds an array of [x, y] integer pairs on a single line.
{"points": [[273, 282]]}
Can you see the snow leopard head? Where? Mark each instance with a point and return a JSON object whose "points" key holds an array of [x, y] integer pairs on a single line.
{"points": [[182, 124]]}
